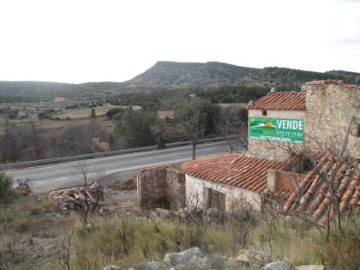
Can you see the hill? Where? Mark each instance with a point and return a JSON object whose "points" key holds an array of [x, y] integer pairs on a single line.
{"points": [[172, 75], [175, 75]]}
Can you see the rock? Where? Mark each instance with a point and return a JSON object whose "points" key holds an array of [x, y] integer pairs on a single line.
{"points": [[192, 258], [162, 213], [277, 266], [151, 266], [180, 214], [153, 215], [232, 264], [49, 247], [310, 267], [253, 257], [259, 258], [243, 256], [112, 267]]}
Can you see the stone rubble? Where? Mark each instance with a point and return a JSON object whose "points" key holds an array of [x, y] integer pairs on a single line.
{"points": [[194, 259]]}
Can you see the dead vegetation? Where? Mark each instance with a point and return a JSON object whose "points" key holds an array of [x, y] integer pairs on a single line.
{"points": [[33, 231], [79, 198]]}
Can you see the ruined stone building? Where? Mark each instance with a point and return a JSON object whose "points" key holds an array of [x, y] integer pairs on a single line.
{"points": [[322, 116], [304, 151]]}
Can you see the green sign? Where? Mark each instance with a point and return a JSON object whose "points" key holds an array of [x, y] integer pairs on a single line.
{"points": [[276, 129]]}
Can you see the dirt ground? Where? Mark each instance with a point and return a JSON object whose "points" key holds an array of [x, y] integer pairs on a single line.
{"points": [[44, 245]]}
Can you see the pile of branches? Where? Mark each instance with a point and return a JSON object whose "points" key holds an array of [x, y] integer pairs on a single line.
{"points": [[79, 198]]}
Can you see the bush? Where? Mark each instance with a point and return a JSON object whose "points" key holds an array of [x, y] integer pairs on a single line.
{"points": [[6, 183], [128, 183], [110, 113]]}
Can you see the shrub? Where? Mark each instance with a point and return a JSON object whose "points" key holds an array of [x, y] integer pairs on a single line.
{"points": [[128, 183], [22, 225], [6, 183], [34, 209], [110, 113]]}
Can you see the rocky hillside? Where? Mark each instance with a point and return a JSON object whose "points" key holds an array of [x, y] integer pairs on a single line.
{"points": [[290, 79], [188, 75], [174, 75]]}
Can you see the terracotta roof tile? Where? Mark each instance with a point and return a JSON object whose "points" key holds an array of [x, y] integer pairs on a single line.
{"points": [[281, 101], [234, 169], [313, 196]]}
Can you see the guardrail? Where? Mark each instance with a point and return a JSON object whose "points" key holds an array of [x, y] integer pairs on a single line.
{"points": [[99, 154]]}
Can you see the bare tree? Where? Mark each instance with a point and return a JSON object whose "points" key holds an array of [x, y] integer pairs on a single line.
{"points": [[232, 124], [84, 171], [330, 170], [193, 120]]}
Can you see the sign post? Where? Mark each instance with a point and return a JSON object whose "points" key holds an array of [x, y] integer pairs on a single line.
{"points": [[276, 129]]}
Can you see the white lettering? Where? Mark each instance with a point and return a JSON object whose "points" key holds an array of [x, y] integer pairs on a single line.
{"points": [[301, 125], [280, 123], [290, 124]]}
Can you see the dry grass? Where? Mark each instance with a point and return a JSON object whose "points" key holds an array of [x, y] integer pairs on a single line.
{"points": [[300, 244], [127, 240], [127, 183], [164, 114]]}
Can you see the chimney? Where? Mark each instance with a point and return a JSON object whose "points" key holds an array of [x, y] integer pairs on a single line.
{"points": [[272, 180], [251, 102], [272, 90]]}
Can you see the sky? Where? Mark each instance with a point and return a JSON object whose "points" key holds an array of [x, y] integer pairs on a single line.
{"points": [[76, 41]]}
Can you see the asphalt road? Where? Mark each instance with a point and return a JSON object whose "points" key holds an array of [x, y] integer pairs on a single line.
{"points": [[63, 175]]}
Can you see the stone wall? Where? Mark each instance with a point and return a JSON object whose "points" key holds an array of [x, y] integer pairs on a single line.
{"points": [[161, 187], [327, 122], [268, 149], [329, 111], [175, 188], [197, 194]]}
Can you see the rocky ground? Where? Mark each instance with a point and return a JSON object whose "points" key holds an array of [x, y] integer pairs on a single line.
{"points": [[42, 242], [195, 259]]}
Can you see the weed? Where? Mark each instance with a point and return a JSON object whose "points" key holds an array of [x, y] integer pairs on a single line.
{"points": [[128, 183], [33, 208], [6, 183], [22, 225]]}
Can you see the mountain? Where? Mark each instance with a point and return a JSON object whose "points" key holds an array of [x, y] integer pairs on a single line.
{"points": [[170, 75], [292, 79], [188, 75], [175, 75]]}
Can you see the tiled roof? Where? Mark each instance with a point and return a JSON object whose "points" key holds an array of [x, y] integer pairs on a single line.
{"points": [[313, 195], [281, 101], [234, 169]]}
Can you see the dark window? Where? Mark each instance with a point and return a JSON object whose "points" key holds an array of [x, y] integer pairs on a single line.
{"points": [[216, 199], [264, 113]]}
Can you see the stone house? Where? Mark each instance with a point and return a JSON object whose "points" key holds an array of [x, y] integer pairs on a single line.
{"points": [[322, 118], [226, 180]]}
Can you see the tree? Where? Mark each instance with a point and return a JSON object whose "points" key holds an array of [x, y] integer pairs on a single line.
{"points": [[6, 183], [331, 174], [79, 138], [110, 113], [92, 113], [232, 124], [9, 144], [193, 120], [135, 127]]}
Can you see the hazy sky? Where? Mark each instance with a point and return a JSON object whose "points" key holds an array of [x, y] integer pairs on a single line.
{"points": [[114, 40]]}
